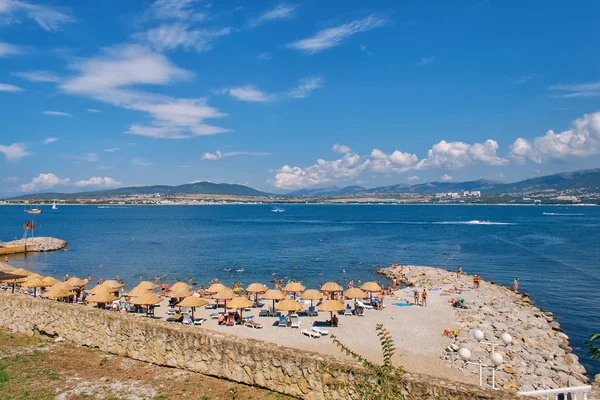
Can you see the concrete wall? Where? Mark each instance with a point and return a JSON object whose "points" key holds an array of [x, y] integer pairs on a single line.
{"points": [[294, 372]]}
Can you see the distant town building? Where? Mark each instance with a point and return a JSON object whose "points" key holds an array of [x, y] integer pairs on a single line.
{"points": [[473, 193]]}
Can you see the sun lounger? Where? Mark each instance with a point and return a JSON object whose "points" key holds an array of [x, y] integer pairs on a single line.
{"points": [[320, 331], [295, 322], [311, 334], [187, 320], [263, 313], [360, 312], [312, 312], [252, 324], [199, 321], [282, 321], [348, 311], [215, 315], [171, 311], [363, 305], [212, 306]]}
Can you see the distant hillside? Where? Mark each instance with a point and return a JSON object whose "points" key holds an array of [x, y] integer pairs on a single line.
{"points": [[190, 188], [563, 181]]}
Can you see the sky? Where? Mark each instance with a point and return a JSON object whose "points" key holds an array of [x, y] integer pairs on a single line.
{"points": [[283, 96]]}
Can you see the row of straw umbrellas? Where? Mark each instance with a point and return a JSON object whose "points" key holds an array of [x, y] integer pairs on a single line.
{"points": [[143, 295]]}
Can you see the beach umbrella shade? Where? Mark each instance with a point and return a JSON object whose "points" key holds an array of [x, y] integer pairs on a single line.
{"points": [[136, 291], [147, 300], [21, 271], [113, 284], [224, 294], [49, 281], [331, 287], [289, 305], [101, 298], [355, 293], [180, 286], [331, 306], [61, 285], [312, 294], [77, 282], [179, 293], [33, 284], [240, 303], [27, 278], [9, 277], [57, 293], [147, 285], [273, 295], [101, 289], [294, 287], [193, 302], [371, 287], [216, 288], [5, 267], [256, 288]]}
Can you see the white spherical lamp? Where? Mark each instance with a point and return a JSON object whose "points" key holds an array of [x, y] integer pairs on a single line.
{"points": [[478, 335], [506, 338], [464, 353], [496, 359]]}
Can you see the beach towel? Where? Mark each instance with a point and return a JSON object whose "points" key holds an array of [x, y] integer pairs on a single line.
{"points": [[403, 304]]}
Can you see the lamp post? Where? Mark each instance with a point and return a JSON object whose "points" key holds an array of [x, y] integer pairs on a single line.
{"points": [[495, 358]]}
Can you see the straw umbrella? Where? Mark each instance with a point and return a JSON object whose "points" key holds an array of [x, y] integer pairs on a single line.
{"points": [[180, 286], [331, 306], [240, 303], [179, 293], [294, 287], [147, 300], [77, 282], [355, 293], [34, 284], [371, 287], [331, 287], [216, 288], [49, 281], [192, 302], [147, 285], [256, 288], [101, 289], [113, 284], [57, 293], [224, 294], [21, 271], [273, 295], [137, 291], [289, 305], [312, 294], [101, 298]]}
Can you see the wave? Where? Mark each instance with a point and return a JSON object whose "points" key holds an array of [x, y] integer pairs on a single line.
{"points": [[474, 222], [561, 214]]}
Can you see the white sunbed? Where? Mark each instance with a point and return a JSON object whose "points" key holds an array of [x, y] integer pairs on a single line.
{"points": [[320, 331], [199, 321], [311, 334], [252, 324], [347, 311], [295, 322], [360, 312], [363, 305]]}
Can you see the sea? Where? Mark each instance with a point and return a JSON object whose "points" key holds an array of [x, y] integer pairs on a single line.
{"points": [[554, 251]]}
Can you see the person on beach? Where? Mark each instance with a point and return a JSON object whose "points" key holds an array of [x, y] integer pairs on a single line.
{"points": [[424, 298], [476, 279], [380, 301], [416, 296], [516, 285], [458, 271], [66, 277]]}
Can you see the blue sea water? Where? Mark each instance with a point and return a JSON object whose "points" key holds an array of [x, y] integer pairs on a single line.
{"points": [[556, 257]]}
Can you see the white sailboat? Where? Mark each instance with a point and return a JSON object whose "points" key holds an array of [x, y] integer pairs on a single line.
{"points": [[54, 206]]}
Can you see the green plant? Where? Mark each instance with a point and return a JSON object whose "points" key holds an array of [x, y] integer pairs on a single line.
{"points": [[379, 381], [594, 350], [103, 361], [3, 374]]}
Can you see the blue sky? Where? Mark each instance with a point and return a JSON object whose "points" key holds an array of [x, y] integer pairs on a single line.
{"points": [[288, 95]]}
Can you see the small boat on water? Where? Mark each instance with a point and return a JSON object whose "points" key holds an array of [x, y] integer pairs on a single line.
{"points": [[54, 206], [278, 210], [33, 211]]}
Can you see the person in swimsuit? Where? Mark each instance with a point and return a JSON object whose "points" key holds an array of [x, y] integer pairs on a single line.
{"points": [[516, 285], [424, 298], [458, 271], [416, 296], [380, 301]]}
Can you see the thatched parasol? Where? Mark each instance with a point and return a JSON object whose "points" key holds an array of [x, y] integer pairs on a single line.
{"points": [[294, 287], [101, 298], [192, 302], [147, 285], [77, 282], [21, 271], [33, 284], [331, 306], [312, 294], [49, 281], [137, 291], [355, 293], [180, 286], [371, 287], [179, 293], [331, 287], [147, 300], [224, 294], [256, 288], [289, 305], [216, 288], [57, 293], [27, 278], [101, 289], [240, 303], [273, 295], [113, 284]]}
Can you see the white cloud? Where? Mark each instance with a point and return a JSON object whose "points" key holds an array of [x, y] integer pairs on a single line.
{"points": [[48, 18], [89, 157], [110, 77], [341, 148], [348, 167], [591, 89], [446, 178], [11, 179], [582, 140], [43, 181], [7, 49], [524, 79], [217, 155], [425, 60], [140, 162], [306, 86], [247, 93], [265, 56], [50, 140], [4, 87], [112, 150], [98, 182], [39, 76], [278, 12], [94, 110], [14, 152], [397, 162], [456, 155], [56, 114], [413, 178], [332, 37], [176, 9], [180, 35]]}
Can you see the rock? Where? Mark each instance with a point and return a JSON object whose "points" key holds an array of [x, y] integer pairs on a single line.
{"points": [[60, 339], [509, 370]]}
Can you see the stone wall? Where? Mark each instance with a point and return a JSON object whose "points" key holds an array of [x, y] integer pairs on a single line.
{"points": [[294, 372]]}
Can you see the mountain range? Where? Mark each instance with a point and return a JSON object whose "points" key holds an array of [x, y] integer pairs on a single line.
{"points": [[567, 180]]}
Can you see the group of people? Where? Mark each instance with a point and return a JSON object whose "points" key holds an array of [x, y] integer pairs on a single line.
{"points": [[422, 296], [230, 319]]}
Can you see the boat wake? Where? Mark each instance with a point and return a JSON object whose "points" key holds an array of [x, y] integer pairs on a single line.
{"points": [[562, 214], [474, 222]]}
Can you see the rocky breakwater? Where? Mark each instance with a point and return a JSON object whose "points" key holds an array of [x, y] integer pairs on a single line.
{"points": [[38, 244], [539, 356]]}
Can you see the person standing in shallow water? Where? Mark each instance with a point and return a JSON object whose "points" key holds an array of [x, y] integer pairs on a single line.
{"points": [[516, 285]]}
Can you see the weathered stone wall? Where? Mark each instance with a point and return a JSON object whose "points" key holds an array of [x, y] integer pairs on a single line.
{"points": [[294, 372]]}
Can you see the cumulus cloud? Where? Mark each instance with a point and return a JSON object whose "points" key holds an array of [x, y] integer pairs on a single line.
{"points": [[39, 76], [581, 140], [50, 140], [397, 162], [332, 37], [14, 152], [446, 178], [348, 167], [98, 182], [217, 155], [140, 162], [4, 87], [56, 114], [49, 18], [111, 76], [168, 37], [456, 155], [42, 182], [341, 148]]}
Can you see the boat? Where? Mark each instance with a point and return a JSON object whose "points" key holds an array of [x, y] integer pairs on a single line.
{"points": [[54, 206], [277, 210], [33, 211]]}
